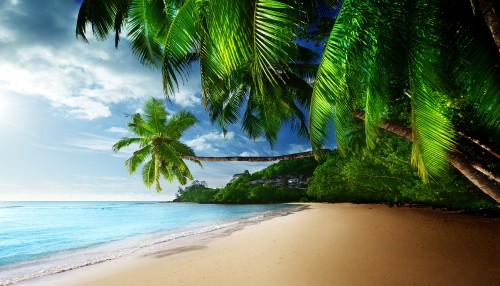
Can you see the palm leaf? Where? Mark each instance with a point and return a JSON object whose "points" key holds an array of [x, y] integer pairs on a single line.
{"points": [[331, 88], [230, 28], [433, 133], [476, 75], [148, 173], [147, 19], [139, 126], [122, 7], [124, 142], [224, 103], [100, 14], [156, 115], [167, 153], [213, 80], [180, 40], [137, 158], [179, 123], [273, 37]]}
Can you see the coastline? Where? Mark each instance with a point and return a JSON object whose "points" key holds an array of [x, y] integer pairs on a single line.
{"points": [[323, 244]]}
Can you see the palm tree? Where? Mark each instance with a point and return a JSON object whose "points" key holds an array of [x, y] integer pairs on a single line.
{"points": [[247, 64], [158, 134], [158, 139], [249, 61], [491, 14], [419, 65]]}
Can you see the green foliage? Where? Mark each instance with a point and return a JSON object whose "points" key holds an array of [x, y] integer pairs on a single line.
{"points": [[303, 167], [411, 74], [245, 190], [385, 176], [428, 64], [158, 140], [197, 192]]}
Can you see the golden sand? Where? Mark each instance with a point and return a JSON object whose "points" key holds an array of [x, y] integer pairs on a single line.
{"points": [[326, 244]]}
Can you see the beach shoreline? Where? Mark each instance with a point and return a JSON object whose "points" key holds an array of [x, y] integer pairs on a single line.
{"points": [[323, 244]]}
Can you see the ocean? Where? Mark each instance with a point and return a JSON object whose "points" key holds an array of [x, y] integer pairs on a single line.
{"points": [[39, 239]]}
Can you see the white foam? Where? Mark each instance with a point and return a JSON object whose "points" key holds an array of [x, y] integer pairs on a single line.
{"points": [[24, 272], [81, 258]]}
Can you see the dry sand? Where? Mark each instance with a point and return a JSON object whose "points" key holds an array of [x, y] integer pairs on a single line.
{"points": [[326, 244]]}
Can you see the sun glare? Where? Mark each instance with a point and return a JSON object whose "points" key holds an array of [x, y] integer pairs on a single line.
{"points": [[6, 108]]}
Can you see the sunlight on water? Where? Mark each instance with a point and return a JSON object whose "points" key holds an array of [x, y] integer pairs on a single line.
{"points": [[38, 238]]}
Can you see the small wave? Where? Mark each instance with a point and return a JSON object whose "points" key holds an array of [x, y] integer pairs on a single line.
{"points": [[121, 253], [11, 207]]}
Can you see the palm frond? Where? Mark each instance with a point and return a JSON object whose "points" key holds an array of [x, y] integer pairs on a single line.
{"points": [[432, 131], [179, 44], [213, 79], [305, 71], [167, 172], [378, 54], [148, 173], [225, 102], [251, 123], [178, 124], [331, 88], [273, 40], [139, 126], [147, 19], [155, 113], [137, 158], [126, 141], [474, 63], [122, 7], [182, 173], [230, 28], [100, 14], [183, 149], [167, 153]]}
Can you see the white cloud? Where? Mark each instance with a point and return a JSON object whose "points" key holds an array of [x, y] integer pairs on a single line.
{"points": [[84, 107], [6, 35], [91, 142], [250, 154], [118, 130], [94, 144], [212, 141], [187, 97], [298, 148], [80, 80]]}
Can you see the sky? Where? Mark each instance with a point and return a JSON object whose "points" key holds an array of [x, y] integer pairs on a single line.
{"points": [[63, 104]]}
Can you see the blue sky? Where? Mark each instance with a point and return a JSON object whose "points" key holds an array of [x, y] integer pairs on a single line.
{"points": [[62, 106]]}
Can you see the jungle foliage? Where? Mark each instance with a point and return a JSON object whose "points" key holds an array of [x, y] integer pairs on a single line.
{"points": [[384, 175], [241, 190]]}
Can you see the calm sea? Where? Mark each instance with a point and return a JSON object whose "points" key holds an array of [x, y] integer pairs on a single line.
{"points": [[42, 238]]}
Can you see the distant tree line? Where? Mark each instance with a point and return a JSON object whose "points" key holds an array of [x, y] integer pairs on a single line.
{"points": [[383, 175], [244, 188]]}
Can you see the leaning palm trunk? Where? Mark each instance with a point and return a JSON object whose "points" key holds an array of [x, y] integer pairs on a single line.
{"points": [[491, 14], [456, 160], [250, 159]]}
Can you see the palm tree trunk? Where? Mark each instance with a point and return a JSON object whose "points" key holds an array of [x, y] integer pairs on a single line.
{"points": [[250, 159], [485, 147], [456, 160], [491, 14]]}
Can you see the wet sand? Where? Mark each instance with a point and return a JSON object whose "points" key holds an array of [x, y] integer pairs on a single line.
{"points": [[325, 244]]}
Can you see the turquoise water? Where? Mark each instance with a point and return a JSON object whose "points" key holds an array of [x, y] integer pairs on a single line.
{"points": [[42, 238]]}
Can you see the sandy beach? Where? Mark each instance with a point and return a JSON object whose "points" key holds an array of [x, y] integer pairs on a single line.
{"points": [[325, 244]]}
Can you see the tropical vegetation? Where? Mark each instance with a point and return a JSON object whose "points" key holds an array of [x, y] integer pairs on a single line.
{"points": [[382, 175], [269, 185], [157, 136], [427, 70]]}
